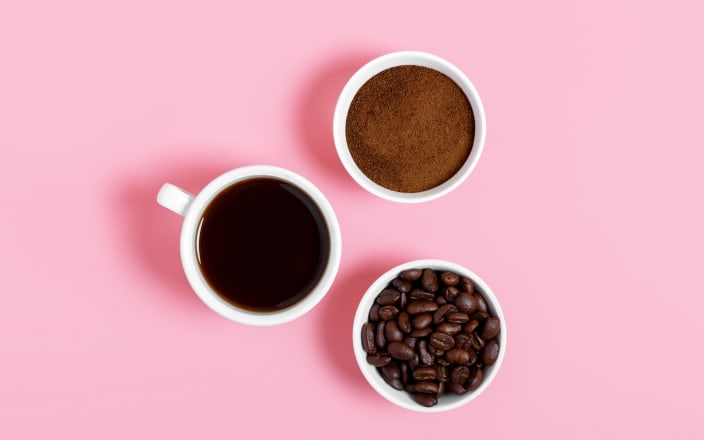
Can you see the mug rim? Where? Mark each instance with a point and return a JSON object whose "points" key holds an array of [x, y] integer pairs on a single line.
{"points": [[189, 259], [394, 59]]}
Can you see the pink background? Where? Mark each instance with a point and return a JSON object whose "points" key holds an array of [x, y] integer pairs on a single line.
{"points": [[584, 214]]}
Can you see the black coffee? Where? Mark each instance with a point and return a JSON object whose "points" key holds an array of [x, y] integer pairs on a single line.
{"points": [[263, 244]]}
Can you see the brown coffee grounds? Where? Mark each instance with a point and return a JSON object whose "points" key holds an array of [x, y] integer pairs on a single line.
{"points": [[410, 128]]}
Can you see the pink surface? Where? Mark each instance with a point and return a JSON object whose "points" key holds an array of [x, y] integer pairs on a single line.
{"points": [[584, 214]]}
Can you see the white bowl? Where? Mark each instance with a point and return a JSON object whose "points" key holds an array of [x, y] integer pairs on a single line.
{"points": [[403, 399], [400, 59]]}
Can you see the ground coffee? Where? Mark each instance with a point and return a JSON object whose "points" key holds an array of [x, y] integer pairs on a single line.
{"points": [[410, 128]]}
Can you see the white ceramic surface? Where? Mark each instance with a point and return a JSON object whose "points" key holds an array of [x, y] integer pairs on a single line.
{"points": [[401, 398], [192, 207], [398, 59]]}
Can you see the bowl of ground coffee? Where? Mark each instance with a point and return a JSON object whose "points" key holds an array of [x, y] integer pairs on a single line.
{"points": [[409, 127], [429, 335]]}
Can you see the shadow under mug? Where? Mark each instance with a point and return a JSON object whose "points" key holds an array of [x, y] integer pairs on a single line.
{"points": [[192, 208]]}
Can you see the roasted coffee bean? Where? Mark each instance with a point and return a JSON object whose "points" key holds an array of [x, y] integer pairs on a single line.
{"points": [[421, 294], [404, 322], [403, 302], [441, 389], [450, 278], [479, 316], [483, 307], [374, 313], [457, 388], [425, 373], [378, 359], [402, 285], [391, 370], [476, 341], [472, 356], [467, 285], [441, 372], [421, 332], [410, 387], [401, 351], [414, 362], [410, 341], [465, 302], [395, 383], [388, 312], [419, 306], [427, 386], [442, 312], [429, 280], [490, 352], [449, 327], [381, 335], [457, 356], [440, 300], [405, 377], [425, 399], [460, 340], [422, 320], [475, 378], [425, 357], [392, 332], [435, 352], [388, 297], [410, 274], [491, 328], [459, 374], [441, 341], [450, 293], [368, 342], [470, 326], [457, 317]]}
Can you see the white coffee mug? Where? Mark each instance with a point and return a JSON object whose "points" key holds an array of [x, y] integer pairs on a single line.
{"points": [[192, 208]]}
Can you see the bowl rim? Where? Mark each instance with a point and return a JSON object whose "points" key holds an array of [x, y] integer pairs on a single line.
{"points": [[402, 398]]}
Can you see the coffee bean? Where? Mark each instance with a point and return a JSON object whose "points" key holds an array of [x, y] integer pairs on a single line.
{"points": [[388, 297], [425, 357], [388, 312], [404, 322], [378, 359], [441, 372], [368, 342], [414, 361], [457, 356], [450, 278], [470, 326], [440, 300], [457, 317], [395, 383], [421, 294], [392, 332], [460, 340], [475, 378], [490, 352], [479, 316], [457, 388], [381, 335], [425, 373], [391, 370], [410, 274], [467, 285], [405, 377], [402, 285], [491, 328], [441, 389], [459, 375], [401, 351], [410, 341], [435, 352], [425, 399], [422, 320], [427, 386], [483, 307], [449, 327], [472, 356], [465, 302], [419, 306], [442, 312], [450, 293], [476, 341], [429, 281], [421, 332], [441, 341], [374, 313], [403, 302]]}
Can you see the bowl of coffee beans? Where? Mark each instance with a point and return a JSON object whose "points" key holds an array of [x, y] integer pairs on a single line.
{"points": [[409, 126], [429, 335]]}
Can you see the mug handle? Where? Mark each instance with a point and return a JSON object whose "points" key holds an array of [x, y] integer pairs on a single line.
{"points": [[174, 198]]}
